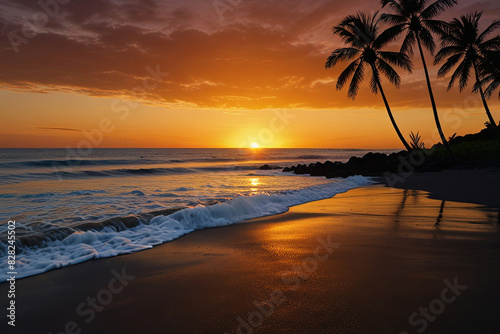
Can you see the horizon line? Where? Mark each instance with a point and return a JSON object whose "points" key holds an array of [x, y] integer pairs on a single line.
{"points": [[198, 148]]}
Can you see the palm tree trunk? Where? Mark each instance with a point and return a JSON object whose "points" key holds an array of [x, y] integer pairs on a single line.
{"points": [[408, 148], [433, 102], [485, 104]]}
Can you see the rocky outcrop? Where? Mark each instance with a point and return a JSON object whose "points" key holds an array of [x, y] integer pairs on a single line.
{"points": [[372, 164], [267, 167]]}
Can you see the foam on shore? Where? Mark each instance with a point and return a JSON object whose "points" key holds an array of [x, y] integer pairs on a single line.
{"points": [[83, 246]]}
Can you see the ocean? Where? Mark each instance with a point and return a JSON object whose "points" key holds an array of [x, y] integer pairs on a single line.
{"points": [[68, 210]]}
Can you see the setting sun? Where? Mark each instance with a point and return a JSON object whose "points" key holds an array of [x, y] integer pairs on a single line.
{"points": [[255, 145]]}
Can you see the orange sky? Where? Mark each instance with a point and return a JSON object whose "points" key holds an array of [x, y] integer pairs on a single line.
{"points": [[253, 74]]}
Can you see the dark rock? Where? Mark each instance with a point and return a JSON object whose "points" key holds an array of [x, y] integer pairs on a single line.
{"points": [[353, 160], [301, 169], [267, 167], [372, 164], [377, 164]]}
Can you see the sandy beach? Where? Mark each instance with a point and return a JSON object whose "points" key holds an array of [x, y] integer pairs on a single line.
{"points": [[473, 185], [372, 260]]}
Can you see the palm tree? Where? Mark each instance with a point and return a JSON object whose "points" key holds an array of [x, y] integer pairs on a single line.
{"points": [[361, 33], [490, 70], [462, 44], [415, 18]]}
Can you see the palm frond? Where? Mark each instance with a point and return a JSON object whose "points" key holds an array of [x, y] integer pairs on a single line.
{"points": [[456, 74], [492, 87], [436, 8], [347, 36], [408, 42], [449, 64], [465, 73], [446, 52], [490, 45], [492, 27], [389, 35], [490, 72], [374, 81], [346, 74], [389, 72], [357, 78], [398, 59], [357, 29], [393, 19], [436, 26], [427, 40], [341, 55], [416, 141], [395, 6], [449, 40]]}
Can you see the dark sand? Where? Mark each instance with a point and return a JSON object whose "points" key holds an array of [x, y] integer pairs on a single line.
{"points": [[480, 186], [395, 249]]}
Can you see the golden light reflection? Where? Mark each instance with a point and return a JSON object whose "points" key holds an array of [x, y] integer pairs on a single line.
{"points": [[284, 240], [255, 183]]}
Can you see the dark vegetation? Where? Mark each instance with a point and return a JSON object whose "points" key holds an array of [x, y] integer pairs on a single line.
{"points": [[481, 149]]}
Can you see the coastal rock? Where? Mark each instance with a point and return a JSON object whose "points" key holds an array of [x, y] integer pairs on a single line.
{"points": [[302, 169], [371, 164], [267, 167]]}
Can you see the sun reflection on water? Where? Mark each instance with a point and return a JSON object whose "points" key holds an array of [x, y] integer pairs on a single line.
{"points": [[254, 183]]}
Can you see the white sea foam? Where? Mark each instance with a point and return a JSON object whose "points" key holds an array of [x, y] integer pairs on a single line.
{"points": [[83, 246]]}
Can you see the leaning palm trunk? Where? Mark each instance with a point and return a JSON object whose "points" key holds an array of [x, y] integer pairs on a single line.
{"points": [[433, 102], [393, 121]]}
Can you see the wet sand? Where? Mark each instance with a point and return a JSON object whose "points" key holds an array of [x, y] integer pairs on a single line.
{"points": [[473, 185], [361, 262]]}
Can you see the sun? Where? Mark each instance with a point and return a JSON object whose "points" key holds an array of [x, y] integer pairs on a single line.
{"points": [[255, 145]]}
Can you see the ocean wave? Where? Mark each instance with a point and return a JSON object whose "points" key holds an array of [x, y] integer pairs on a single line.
{"points": [[69, 173], [183, 189], [75, 163], [72, 163], [45, 195], [130, 234], [166, 195], [312, 156]]}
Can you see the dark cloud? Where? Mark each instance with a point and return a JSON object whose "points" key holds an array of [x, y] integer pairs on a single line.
{"points": [[57, 129]]}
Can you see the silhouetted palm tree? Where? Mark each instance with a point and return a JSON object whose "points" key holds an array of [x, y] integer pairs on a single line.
{"points": [[490, 70], [462, 44], [361, 33], [490, 76], [415, 18]]}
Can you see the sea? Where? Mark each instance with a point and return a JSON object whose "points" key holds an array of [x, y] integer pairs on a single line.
{"points": [[69, 209]]}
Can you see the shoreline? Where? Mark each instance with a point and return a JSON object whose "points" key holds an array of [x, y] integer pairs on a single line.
{"points": [[391, 259], [81, 246]]}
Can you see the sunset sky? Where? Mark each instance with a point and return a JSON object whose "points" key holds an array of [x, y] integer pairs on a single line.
{"points": [[218, 74]]}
